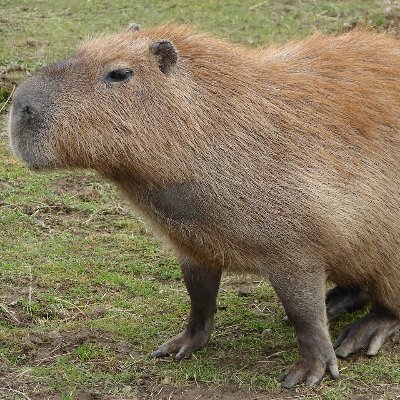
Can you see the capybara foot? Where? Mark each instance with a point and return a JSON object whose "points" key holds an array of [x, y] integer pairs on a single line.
{"points": [[183, 345], [309, 369], [368, 333], [341, 299], [202, 284]]}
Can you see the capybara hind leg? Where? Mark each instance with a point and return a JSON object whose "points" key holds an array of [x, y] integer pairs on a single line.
{"points": [[342, 299], [303, 297], [370, 332], [202, 285]]}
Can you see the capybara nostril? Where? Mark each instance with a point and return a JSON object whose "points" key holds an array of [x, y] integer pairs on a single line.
{"points": [[28, 112]]}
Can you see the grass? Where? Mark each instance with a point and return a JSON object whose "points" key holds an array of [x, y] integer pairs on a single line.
{"points": [[86, 291]]}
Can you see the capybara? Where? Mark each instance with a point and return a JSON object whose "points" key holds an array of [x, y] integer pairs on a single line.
{"points": [[283, 161]]}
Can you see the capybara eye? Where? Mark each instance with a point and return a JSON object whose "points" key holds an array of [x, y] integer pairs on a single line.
{"points": [[119, 75]]}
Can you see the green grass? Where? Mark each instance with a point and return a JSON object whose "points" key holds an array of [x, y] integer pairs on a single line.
{"points": [[86, 291]]}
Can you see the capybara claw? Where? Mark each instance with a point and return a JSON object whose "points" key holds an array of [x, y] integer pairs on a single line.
{"points": [[160, 352], [182, 354], [308, 371], [182, 345]]}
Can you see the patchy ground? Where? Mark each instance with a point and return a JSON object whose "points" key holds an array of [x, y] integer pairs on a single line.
{"points": [[86, 291], [392, 17]]}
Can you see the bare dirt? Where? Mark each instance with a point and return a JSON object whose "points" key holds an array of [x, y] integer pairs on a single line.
{"points": [[150, 391], [80, 187]]}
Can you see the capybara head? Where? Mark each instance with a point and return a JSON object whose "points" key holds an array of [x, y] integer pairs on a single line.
{"points": [[101, 107]]}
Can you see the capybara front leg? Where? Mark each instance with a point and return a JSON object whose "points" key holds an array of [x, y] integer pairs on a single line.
{"points": [[369, 333], [302, 293], [343, 299], [202, 284]]}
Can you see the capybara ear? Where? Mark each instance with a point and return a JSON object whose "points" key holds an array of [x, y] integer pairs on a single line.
{"points": [[165, 53], [133, 27]]}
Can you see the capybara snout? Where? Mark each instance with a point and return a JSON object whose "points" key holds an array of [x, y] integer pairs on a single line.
{"points": [[31, 116]]}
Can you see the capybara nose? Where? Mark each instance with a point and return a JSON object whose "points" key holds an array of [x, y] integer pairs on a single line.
{"points": [[28, 113], [30, 103], [29, 124]]}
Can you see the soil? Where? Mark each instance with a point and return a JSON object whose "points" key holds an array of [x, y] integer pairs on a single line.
{"points": [[223, 392], [80, 187]]}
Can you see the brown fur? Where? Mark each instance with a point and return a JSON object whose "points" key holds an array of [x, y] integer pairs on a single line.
{"points": [[257, 160]]}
